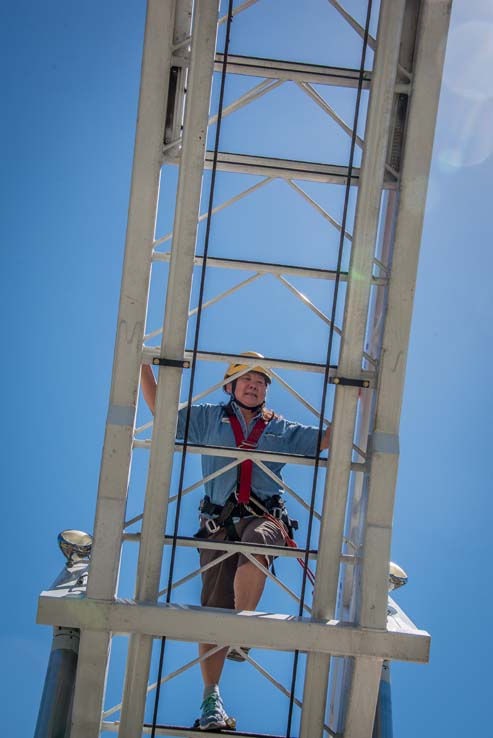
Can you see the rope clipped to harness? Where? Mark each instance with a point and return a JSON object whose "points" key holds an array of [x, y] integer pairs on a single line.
{"points": [[287, 538]]}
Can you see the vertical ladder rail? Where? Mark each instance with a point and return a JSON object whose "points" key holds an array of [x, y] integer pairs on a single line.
{"points": [[356, 310], [115, 465], [172, 347]]}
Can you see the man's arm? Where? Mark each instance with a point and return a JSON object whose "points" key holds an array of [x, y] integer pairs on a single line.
{"points": [[148, 384]]}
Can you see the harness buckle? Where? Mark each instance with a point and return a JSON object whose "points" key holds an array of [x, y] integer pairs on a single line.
{"points": [[277, 512], [211, 526]]}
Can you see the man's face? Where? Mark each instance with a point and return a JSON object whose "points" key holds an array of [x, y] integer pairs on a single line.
{"points": [[251, 389]]}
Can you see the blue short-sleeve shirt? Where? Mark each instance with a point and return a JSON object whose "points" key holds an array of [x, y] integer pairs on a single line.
{"points": [[210, 426]]}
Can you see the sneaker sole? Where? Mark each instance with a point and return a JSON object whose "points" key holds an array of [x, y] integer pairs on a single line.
{"points": [[234, 655], [213, 726], [230, 724]]}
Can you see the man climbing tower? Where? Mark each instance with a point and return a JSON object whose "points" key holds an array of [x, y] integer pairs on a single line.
{"points": [[242, 504]]}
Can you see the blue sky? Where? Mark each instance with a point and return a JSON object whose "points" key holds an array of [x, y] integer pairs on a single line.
{"points": [[71, 84]]}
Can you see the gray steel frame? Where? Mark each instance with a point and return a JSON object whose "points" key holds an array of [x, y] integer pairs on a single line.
{"points": [[363, 633]]}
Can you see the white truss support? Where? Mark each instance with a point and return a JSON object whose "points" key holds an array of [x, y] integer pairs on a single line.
{"points": [[245, 454], [209, 303], [239, 8], [94, 649], [254, 94], [353, 23], [165, 256], [165, 730], [112, 494], [226, 293], [151, 352], [168, 677], [293, 71], [319, 100], [196, 572], [356, 310], [286, 488], [169, 379], [272, 631], [275, 579], [362, 697], [299, 397], [318, 208], [430, 52], [263, 267], [304, 299], [234, 547], [282, 168]]}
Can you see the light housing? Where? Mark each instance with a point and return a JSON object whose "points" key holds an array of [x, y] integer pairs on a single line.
{"points": [[75, 545], [397, 576]]}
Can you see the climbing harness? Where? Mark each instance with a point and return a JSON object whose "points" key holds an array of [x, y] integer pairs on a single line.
{"points": [[272, 509], [214, 517], [246, 467], [243, 502]]}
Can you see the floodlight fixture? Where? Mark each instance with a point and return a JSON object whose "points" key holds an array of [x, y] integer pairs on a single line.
{"points": [[75, 545], [397, 576]]}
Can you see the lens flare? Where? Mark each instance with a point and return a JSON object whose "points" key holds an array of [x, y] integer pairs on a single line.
{"points": [[465, 138], [469, 60]]}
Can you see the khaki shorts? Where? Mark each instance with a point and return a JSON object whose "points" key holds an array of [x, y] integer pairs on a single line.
{"points": [[217, 582]]}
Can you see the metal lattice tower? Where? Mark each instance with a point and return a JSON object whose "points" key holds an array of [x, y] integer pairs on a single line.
{"points": [[347, 630]]}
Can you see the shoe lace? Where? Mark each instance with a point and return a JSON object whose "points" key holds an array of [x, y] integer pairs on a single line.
{"points": [[211, 702]]}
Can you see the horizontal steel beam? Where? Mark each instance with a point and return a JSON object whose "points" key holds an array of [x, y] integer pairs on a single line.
{"points": [[293, 71], [238, 453], [288, 169], [151, 352], [180, 732], [264, 267], [237, 547], [274, 167], [267, 267], [195, 624], [282, 168]]}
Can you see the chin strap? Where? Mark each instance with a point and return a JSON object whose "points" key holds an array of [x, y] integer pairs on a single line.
{"points": [[254, 409]]}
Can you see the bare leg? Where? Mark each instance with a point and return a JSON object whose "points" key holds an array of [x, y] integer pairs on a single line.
{"points": [[212, 667], [213, 715], [249, 584]]}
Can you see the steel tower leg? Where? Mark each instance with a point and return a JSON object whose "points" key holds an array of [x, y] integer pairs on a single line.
{"points": [[383, 727], [55, 712]]}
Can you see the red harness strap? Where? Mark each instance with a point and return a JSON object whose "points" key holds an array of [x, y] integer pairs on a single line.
{"points": [[246, 467]]}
